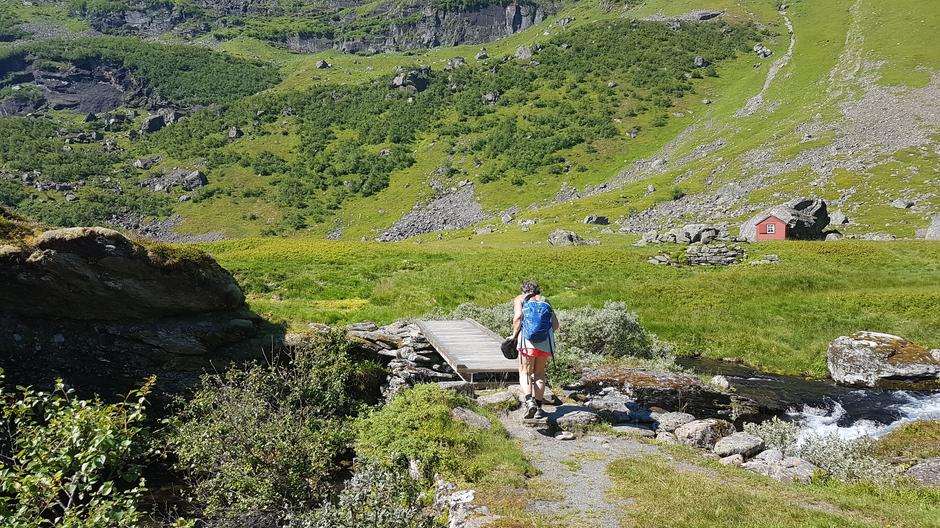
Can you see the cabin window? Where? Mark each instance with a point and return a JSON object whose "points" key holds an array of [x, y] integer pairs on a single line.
{"points": [[771, 229]]}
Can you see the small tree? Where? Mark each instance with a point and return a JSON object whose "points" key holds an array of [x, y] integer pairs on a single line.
{"points": [[68, 462]]}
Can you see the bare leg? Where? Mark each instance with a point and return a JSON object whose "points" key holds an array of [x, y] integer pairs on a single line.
{"points": [[524, 377], [538, 376]]}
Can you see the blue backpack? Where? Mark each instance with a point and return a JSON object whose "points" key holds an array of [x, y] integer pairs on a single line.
{"points": [[536, 320]]}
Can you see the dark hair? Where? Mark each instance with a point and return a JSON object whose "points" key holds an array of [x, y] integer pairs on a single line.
{"points": [[531, 287]]}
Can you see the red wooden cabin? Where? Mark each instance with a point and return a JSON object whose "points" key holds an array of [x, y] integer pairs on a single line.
{"points": [[771, 228]]}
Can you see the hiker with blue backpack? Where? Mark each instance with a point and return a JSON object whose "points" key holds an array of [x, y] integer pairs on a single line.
{"points": [[534, 324]]}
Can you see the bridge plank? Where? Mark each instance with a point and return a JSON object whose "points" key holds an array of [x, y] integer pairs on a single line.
{"points": [[468, 347]]}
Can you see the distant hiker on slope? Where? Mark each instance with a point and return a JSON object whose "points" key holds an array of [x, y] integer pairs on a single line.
{"points": [[534, 324]]}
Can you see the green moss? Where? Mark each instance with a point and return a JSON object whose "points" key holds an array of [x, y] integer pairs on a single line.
{"points": [[918, 440]]}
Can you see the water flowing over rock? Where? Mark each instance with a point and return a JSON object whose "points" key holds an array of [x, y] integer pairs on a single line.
{"points": [[872, 359], [806, 218]]}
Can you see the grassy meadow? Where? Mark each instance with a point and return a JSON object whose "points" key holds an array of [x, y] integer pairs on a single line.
{"points": [[778, 317]]}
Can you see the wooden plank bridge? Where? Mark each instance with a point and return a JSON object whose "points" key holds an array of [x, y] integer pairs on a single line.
{"points": [[471, 349]]}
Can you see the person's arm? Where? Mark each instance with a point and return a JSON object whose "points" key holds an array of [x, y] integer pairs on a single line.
{"points": [[517, 317]]}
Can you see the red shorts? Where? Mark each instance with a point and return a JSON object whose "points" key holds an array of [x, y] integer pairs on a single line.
{"points": [[533, 353]]}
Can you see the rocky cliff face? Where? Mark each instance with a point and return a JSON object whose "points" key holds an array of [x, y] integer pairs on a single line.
{"points": [[419, 24], [438, 27], [103, 312]]}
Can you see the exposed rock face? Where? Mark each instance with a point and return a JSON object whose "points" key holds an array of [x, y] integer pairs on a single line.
{"points": [[806, 218], [690, 234], [103, 312], [704, 434], [933, 232], [412, 80], [872, 359], [82, 86]]}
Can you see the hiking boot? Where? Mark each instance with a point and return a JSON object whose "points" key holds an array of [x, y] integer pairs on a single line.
{"points": [[539, 414], [530, 410]]}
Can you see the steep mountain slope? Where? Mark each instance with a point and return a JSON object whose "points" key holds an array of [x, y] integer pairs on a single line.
{"points": [[655, 114]]}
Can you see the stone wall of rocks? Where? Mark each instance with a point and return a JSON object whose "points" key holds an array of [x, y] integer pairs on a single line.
{"points": [[714, 254], [410, 358], [689, 234], [698, 254]]}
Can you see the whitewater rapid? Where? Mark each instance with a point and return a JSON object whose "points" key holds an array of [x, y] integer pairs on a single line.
{"points": [[866, 413]]}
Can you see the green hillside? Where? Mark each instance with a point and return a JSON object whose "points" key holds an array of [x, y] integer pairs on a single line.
{"points": [[844, 115]]}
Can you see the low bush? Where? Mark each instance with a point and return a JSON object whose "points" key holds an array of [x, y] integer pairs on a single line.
{"points": [[776, 433], [377, 497], [847, 460], [69, 462], [272, 439], [418, 426]]}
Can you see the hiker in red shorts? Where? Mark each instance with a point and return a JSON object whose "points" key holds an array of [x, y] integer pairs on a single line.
{"points": [[534, 324]]}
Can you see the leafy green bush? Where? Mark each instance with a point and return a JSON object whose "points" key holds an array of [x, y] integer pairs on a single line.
{"points": [[68, 462], [377, 497], [418, 426], [272, 438]]}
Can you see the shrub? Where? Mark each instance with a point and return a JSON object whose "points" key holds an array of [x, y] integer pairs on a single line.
{"points": [[611, 331], [375, 496], [848, 460], [776, 433], [418, 426], [677, 193], [272, 438], [69, 462]]}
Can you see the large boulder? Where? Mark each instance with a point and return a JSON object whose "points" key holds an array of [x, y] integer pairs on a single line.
{"points": [[926, 472], [806, 218], [153, 123], [103, 312], [671, 421], [744, 444], [704, 434], [412, 80], [562, 237], [787, 469], [873, 359], [93, 273]]}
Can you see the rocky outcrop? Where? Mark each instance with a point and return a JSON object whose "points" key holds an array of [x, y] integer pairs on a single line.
{"points": [[563, 237], [84, 86], [806, 218], [690, 234], [872, 359], [103, 312], [933, 232]]}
